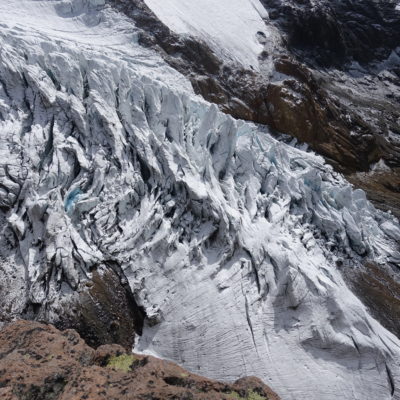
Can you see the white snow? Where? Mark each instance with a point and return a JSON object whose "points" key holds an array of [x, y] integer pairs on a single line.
{"points": [[230, 27], [85, 26], [224, 233]]}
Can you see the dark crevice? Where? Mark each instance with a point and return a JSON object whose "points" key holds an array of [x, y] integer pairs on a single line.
{"points": [[144, 169], [49, 145], [390, 380], [254, 270], [249, 321], [355, 344]]}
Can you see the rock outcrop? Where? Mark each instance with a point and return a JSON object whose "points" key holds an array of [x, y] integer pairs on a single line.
{"points": [[332, 34], [39, 362]]}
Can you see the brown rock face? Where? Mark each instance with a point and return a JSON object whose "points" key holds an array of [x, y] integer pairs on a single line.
{"points": [[106, 312], [379, 290], [301, 106], [39, 362], [383, 188]]}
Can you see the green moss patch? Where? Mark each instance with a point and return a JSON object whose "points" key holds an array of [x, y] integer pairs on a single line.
{"points": [[251, 396], [255, 396], [121, 363]]}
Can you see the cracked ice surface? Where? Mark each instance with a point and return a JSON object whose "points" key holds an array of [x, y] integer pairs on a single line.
{"points": [[228, 238]]}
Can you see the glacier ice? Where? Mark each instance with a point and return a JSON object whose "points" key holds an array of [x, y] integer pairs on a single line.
{"points": [[234, 29], [231, 240]]}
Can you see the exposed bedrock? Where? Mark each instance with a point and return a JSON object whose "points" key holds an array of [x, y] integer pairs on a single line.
{"points": [[379, 291], [382, 186], [40, 362], [332, 33], [105, 311]]}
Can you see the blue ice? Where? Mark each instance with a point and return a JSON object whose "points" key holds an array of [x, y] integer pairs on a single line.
{"points": [[71, 199]]}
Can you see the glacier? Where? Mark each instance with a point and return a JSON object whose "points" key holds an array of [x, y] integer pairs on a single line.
{"points": [[231, 240], [235, 29]]}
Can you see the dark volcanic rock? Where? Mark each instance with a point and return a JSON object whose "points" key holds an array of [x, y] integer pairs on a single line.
{"points": [[332, 33], [39, 362]]}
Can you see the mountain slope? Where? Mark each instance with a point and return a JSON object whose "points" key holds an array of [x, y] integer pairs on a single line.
{"points": [[231, 241], [327, 74]]}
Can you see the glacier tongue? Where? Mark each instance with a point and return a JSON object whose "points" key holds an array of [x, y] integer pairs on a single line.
{"points": [[231, 240]]}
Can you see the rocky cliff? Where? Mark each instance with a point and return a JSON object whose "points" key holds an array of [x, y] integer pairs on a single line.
{"points": [[39, 362]]}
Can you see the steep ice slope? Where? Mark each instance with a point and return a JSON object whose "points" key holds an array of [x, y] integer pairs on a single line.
{"points": [[233, 28], [47, 34], [231, 240]]}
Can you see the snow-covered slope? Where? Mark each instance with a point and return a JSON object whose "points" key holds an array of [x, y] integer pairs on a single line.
{"points": [[231, 240], [233, 28]]}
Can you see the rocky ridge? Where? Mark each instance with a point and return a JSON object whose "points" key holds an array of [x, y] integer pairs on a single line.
{"points": [[39, 362]]}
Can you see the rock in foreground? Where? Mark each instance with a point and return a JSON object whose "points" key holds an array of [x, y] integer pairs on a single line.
{"points": [[39, 362]]}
